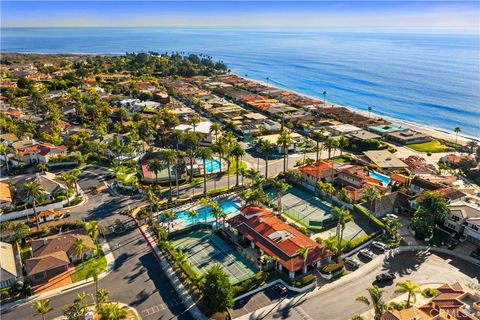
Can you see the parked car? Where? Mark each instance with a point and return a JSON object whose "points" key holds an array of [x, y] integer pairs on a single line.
{"points": [[380, 245], [391, 215], [366, 253], [354, 263], [280, 289], [386, 276]]}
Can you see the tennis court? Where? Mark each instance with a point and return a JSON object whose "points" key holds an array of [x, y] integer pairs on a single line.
{"points": [[305, 208], [205, 249]]}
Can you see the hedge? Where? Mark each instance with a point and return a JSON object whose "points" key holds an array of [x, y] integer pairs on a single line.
{"points": [[250, 284], [369, 215]]}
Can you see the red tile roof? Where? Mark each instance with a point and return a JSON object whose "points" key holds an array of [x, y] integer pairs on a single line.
{"points": [[318, 169], [41, 148], [277, 238]]}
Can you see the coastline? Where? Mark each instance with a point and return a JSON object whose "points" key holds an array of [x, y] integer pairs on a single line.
{"points": [[437, 133]]}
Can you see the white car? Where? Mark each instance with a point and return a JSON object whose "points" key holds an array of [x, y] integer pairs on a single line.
{"points": [[366, 253], [393, 216], [354, 263], [380, 245]]}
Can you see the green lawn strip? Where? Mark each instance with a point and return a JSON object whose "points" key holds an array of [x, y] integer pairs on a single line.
{"points": [[432, 146], [81, 271]]}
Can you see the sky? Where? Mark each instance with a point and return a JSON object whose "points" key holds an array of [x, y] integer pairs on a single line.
{"points": [[455, 15]]}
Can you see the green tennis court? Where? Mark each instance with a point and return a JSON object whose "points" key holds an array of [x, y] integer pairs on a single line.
{"points": [[205, 249], [305, 208]]}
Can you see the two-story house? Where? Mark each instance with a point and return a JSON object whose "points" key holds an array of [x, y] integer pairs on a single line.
{"points": [[464, 218]]}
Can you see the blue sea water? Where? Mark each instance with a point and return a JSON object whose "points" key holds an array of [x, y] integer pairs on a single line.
{"points": [[432, 79]]}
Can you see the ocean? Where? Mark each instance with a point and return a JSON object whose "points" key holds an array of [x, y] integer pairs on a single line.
{"points": [[431, 79]]}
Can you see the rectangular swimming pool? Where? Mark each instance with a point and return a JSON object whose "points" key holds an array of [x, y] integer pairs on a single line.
{"points": [[228, 206], [383, 178], [211, 165]]}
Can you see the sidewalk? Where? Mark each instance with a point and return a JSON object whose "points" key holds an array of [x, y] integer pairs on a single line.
{"points": [[79, 284], [176, 283]]}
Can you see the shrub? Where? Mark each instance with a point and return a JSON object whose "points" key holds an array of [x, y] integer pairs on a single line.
{"points": [[250, 284], [430, 292], [307, 279]]}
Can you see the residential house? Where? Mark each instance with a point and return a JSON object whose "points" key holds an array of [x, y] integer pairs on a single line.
{"points": [[8, 265], [51, 185], [276, 238], [273, 139], [203, 128], [395, 202], [355, 180], [412, 313], [318, 171], [388, 128], [54, 255], [408, 137], [455, 160], [385, 160], [33, 152], [47, 215], [343, 129], [419, 185], [464, 218], [5, 195]]}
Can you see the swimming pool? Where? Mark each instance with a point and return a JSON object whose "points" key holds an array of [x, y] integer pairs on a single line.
{"points": [[211, 165], [383, 178], [228, 206]]}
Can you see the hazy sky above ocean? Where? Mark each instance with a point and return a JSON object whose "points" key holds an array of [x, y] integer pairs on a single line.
{"points": [[270, 14]]}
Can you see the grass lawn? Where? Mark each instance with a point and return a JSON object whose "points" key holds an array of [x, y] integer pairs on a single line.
{"points": [[432, 146], [233, 164], [81, 271], [25, 253]]}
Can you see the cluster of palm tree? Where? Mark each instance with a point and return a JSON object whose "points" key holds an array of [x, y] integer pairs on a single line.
{"points": [[376, 300], [76, 310], [70, 179]]}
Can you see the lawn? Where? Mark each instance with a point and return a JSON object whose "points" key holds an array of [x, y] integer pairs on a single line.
{"points": [[81, 271], [432, 146]]}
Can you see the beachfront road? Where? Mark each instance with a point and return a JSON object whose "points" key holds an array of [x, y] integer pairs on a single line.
{"points": [[339, 302]]}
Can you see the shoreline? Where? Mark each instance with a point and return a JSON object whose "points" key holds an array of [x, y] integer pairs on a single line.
{"points": [[437, 133]]}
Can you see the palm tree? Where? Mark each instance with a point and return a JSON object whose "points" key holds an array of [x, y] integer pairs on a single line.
{"points": [[324, 96], [101, 296], [79, 249], [252, 174], [67, 178], [168, 156], [343, 216], [318, 137], [155, 166], [330, 144], [216, 128], [285, 140], [81, 298], [169, 215], [193, 214], [237, 152], [42, 167], [369, 111], [304, 251], [216, 211], [192, 139], [371, 194], [222, 215], [266, 147], [280, 187], [219, 146], [204, 153], [194, 120], [43, 307], [113, 312], [457, 130], [75, 173], [342, 143], [408, 287], [95, 270], [33, 191], [375, 295]]}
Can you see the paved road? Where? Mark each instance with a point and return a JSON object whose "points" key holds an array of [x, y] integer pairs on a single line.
{"points": [[339, 302], [135, 280]]}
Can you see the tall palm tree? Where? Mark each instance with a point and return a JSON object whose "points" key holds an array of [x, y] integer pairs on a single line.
{"points": [[457, 130], [342, 143], [33, 192], [408, 287], [192, 139], [237, 152], [169, 215], [222, 215], [369, 111], [94, 229], [193, 214], [285, 140], [155, 166], [304, 252], [280, 187], [205, 153], [324, 97], [216, 211], [318, 137], [343, 216], [253, 175], [168, 156], [194, 120], [371, 194], [101, 296], [79, 249], [376, 300], [330, 144], [219, 146], [216, 128], [67, 178], [43, 307], [75, 174], [266, 147], [93, 272], [3, 151]]}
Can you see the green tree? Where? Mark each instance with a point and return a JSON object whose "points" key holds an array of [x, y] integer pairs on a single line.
{"points": [[432, 209], [168, 156], [79, 249], [95, 270], [205, 153], [318, 137], [67, 178], [391, 226], [237, 152], [266, 148], [304, 252], [375, 299], [371, 194], [73, 311], [255, 196], [285, 140], [410, 288], [216, 211], [193, 214], [280, 187], [94, 228], [155, 166], [41, 167], [101, 296], [113, 311], [169, 215], [43, 307], [33, 192], [343, 216], [344, 196], [217, 290], [330, 144], [342, 143]]}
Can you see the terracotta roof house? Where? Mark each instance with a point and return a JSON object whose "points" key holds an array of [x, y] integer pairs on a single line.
{"points": [[321, 170], [8, 265], [276, 238], [456, 159], [54, 254], [406, 314], [5, 195], [39, 152]]}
